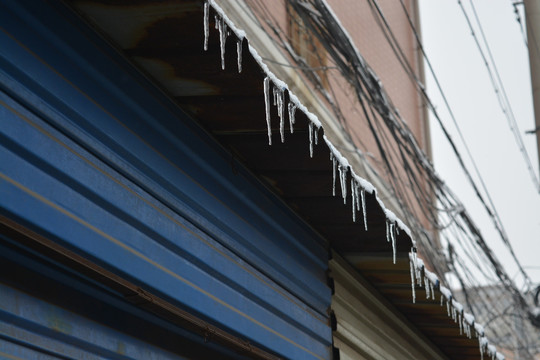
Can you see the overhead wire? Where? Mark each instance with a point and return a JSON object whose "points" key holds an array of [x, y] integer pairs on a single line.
{"points": [[498, 269], [509, 115], [499, 89], [496, 217], [368, 90], [491, 209], [492, 212]]}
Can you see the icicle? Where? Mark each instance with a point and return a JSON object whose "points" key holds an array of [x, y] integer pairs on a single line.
{"points": [[292, 111], [344, 174], [239, 54], [278, 100], [353, 200], [482, 343], [393, 238], [357, 195], [492, 351], [418, 269], [316, 136], [267, 107], [206, 15], [448, 307], [454, 314], [427, 287], [411, 265], [340, 178], [343, 182], [334, 170], [222, 39], [460, 325], [442, 300], [310, 139], [363, 196], [432, 290], [216, 22], [282, 115]]}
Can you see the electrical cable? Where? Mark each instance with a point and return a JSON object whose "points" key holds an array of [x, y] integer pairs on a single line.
{"points": [[396, 146], [499, 89], [510, 117], [399, 54]]}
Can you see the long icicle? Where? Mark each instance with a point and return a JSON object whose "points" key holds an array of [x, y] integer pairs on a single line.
{"points": [[292, 111], [310, 139], [281, 113], [222, 40], [267, 107], [334, 170], [364, 211], [343, 182], [239, 54], [206, 16], [353, 202], [357, 196], [393, 238], [411, 265]]}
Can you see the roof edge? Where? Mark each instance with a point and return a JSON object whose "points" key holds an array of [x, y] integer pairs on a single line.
{"points": [[358, 185]]}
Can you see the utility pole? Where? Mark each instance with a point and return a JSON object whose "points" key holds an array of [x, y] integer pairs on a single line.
{"points": [[532, 19]]}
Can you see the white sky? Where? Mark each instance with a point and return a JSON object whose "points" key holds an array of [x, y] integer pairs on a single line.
{"points": [[464, 79]]}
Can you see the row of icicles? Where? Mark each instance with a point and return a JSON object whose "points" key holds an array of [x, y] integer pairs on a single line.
{"points": [[276, 95], [340, 170], [466, 321]]}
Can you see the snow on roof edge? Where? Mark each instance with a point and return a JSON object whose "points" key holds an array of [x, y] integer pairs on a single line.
{"points": [[431, 281], [455, 309]]}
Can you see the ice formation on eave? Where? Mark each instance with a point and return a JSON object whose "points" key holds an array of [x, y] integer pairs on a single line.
{"points": [[276, 90], [464, 319]]}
